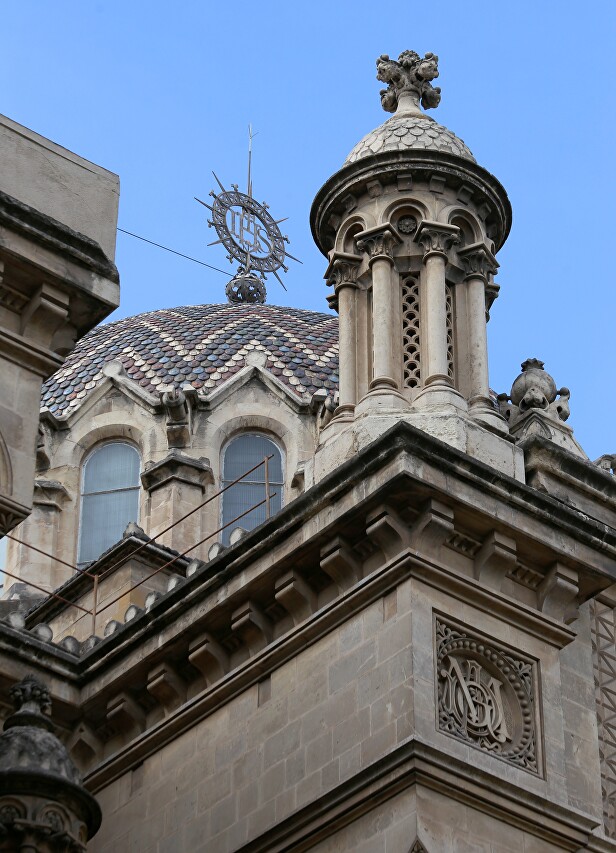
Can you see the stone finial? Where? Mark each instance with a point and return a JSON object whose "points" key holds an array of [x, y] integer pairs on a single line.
{"points": [[408, 82], [42, 799], [536, 407], [32, 704]]}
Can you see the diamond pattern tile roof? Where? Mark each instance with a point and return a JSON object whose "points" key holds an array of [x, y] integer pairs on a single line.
{"points": [[203, 345]]}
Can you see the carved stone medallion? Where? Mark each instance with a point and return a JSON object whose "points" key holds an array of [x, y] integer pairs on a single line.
{"points": [[486, 696]]}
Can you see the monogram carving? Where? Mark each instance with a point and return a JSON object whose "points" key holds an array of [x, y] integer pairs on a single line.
{"points": [[486, 696]]}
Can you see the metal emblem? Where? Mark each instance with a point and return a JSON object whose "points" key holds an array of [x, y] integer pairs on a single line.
{"points": [[251, 236]]}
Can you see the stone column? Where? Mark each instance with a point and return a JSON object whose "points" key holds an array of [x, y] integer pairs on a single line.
{"points": [[378, 243], [342, 275], [436, 238], [479, 264]]}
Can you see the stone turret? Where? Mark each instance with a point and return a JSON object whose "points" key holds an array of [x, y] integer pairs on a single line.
{"points": [[44, 807], [411, 225]]}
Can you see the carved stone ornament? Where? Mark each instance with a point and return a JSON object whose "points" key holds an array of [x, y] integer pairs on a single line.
{"points": [[43, 804], [478, 261], [486, 696], [409, 75], [378, 242], [534, 390], [342, 270], [436, 238], [607, 463]]}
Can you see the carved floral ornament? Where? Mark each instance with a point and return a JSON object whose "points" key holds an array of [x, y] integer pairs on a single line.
{"points": [[486, 696], [478, 261], [342, 270]]}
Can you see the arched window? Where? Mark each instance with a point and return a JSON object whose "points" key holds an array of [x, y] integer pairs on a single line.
{"points": [[240, 455], [109, 498]]}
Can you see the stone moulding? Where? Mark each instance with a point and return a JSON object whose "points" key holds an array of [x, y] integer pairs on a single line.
{"points": [[487, 696], [417, 764]]}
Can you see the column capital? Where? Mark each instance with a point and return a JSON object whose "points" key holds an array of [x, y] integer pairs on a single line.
{"points": [[378, 242], [436, 238], [478, 261], [342, 270]]}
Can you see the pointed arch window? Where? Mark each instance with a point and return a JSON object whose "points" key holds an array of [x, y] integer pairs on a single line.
{"points": [[240, 455], [109, 498]]}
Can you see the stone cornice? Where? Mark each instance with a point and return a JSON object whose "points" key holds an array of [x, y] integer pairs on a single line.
{"points": [[332, 200], [418, 763], [180, 468], [48, 232]]}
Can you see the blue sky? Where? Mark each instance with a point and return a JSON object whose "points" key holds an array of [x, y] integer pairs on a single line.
{"points": [[163, 93]]}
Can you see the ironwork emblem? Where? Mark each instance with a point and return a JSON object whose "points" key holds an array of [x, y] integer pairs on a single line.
{"points": [[486, 696], [251, 236]]}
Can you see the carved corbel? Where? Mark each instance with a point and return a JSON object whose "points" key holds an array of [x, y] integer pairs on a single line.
{"points": [[253, 626], [42, 450], [296, 596], [433, 525], [340, 564], [84, 745], [179, 417], [496, 557], [207, 655], [124, 714], [166, 686], [45, 314], [385, 527], [557, 595]]}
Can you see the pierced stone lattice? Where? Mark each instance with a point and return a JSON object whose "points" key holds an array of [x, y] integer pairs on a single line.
{"points": [[410, 332], [449, 309], [603, 635]]}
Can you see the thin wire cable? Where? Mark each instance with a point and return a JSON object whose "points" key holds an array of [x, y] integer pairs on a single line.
{"points": [[47, 554], [46, 591], [183, 554], [160, 533], [173, 252]]}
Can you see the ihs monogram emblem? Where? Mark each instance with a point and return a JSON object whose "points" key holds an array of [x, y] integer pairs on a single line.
{"points": [[251, 236]]}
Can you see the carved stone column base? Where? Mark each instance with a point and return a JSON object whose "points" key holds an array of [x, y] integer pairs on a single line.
{"points": [[440, 395], [483, 412], [344, 414], [382, 400]]}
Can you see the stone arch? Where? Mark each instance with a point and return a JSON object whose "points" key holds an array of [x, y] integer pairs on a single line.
{"points": [[407, 207], [350, 228], [106, 432], [470, 229]]}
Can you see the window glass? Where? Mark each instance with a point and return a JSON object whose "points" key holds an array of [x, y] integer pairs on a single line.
{"points": [[241, 454], [109, 498]]}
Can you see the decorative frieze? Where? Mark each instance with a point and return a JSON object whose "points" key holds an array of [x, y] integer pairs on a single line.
{"points": [[487, 696]]}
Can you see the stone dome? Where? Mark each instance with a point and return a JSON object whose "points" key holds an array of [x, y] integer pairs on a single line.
{"points": [[204, 346], [401, 133]]}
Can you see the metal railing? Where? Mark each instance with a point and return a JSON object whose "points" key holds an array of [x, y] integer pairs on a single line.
{"points": [[95, 610]]}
